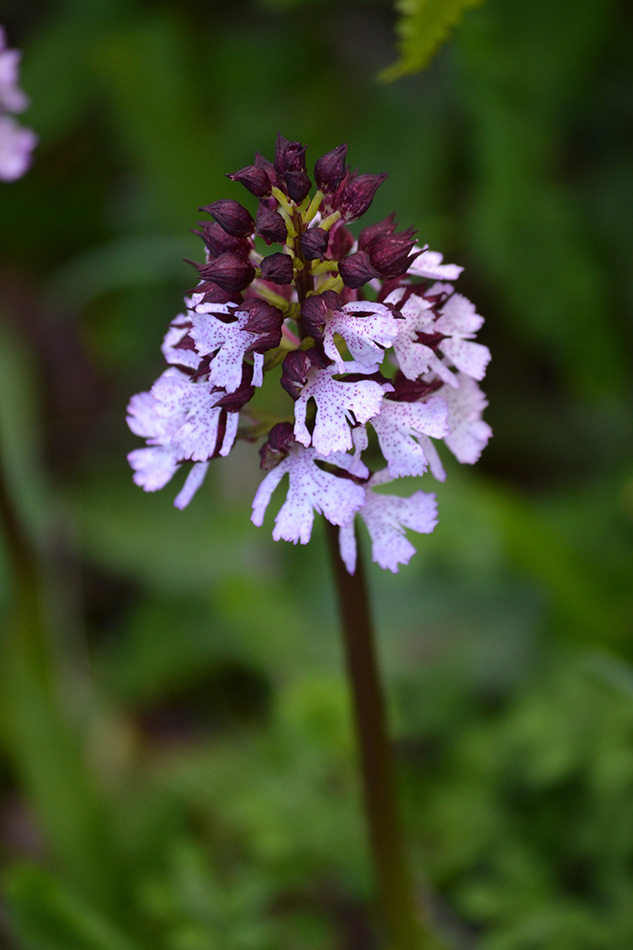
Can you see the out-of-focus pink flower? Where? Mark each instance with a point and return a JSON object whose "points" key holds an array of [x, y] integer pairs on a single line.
{"points": [[16, 142]]}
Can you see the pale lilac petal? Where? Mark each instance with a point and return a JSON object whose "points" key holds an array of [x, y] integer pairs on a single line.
{"points": [[228, 341], [142, 418], [347, 546], [153, 466], [387, 517], [470, 358], [16, 145], [12, 99], [230, 433], [310, 490], [265, 491], [339, 405], [367, 328], [432, 457], [414, 358], [458, 315], [196, 403], [193, 482], [258, 369], [175, 354], [469, 434], [429, 264], [399, 427]]}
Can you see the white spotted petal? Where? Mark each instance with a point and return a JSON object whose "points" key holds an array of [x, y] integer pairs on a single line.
{"points": [[367, 328], [468, 433], [199, 416], [400, 427], [429, 264], [310, 490], [387, 517], [156, 464], [228, 342], [415, 358], [459, 321], [339, 404]]}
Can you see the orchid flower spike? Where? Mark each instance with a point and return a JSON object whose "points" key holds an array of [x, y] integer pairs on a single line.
{"points": [[365, 336]]}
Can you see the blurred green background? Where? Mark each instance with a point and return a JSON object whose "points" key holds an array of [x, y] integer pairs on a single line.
{"points": [[178, 770]]}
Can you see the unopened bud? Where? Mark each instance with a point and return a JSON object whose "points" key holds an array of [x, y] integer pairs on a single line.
{"points": [[391, 254], [329, 170], [218, 241], [254, 179], [277, 268], [357, 194], [230, 271], [265, 321], [357, 269], [294, 372], [290, 164], [366, 236], [231, 216], [275, 448], [270, 225], [314, 312], [314, 243]]}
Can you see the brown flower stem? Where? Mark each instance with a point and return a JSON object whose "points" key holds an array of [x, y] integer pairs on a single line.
{"points": [[402, 924]]}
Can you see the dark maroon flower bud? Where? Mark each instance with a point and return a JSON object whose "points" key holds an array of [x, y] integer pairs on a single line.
{"points": [[230, 271], [218, 241], [289, 156], [276, 446], [356, 195], [314, 243], [254, 179], [277, 268], [212, 293], [329, 170], [294, 372], [268, 168], [290, 163], [270, 225], [265, 321], [233, 402], [391, 254], [314, 312], [341, 241], [366, 236], [231, 216], [411, 390], [297, 184], [357, 269]]}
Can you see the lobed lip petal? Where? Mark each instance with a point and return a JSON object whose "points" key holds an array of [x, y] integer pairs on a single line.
{"points": [[310, 490]]}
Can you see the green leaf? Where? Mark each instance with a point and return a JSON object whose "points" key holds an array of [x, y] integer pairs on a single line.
{"points": [[47, 916], [422, 28]]}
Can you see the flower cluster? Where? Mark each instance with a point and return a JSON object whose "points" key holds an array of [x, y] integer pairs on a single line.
{"points": [[367, 337], [16, 143]]}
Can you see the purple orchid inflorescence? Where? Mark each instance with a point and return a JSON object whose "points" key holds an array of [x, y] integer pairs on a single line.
{"points": [[16, 143], [366, 336]]}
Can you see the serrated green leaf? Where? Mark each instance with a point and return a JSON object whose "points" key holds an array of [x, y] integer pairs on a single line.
{"points": [[422, 28]]}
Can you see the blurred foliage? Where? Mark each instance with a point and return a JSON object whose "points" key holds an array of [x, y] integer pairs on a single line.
{"points": [[178, 767], [422, 27]]}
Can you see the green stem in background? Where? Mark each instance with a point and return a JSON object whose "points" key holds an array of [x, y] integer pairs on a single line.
{"points": [[403, 925], [44, 748]]}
